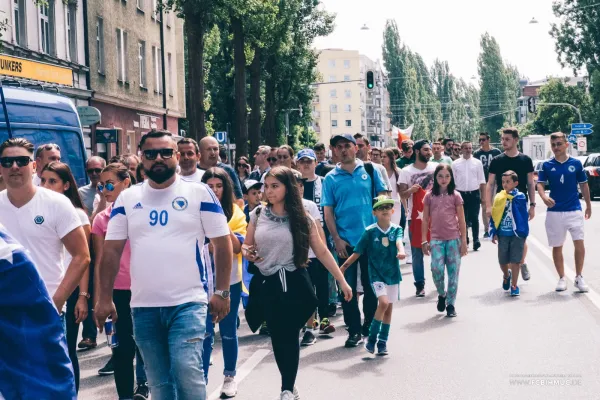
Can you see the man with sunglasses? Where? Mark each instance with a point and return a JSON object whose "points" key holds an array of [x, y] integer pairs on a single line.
{"points": [[93, 166], [43, 221], [485, 154], [44, 155], [166, 220], [209, 157], [261, 162]]}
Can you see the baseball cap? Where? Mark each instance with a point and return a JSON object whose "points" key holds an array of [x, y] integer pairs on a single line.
{"points": [[306, 153], [381, 200], [344, 136], [251, 183]]}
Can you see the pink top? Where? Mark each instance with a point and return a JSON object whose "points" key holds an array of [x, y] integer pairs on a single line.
{"points": [[123, 280], [442, 214]]}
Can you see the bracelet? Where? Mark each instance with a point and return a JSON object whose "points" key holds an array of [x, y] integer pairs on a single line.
{"points": [[85, 294], [424, 243]]}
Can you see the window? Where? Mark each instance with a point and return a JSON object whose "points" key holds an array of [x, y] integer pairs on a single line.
{"points": [[121, 54], [346, 64], [46, 27], [348, 93], [348, 122], [72, 32], [100, 45], [333, 108], [331, 63], [20, 31], [158, 78], [333, 93], [142, 63], [331, 78], [140, 5], [334, 123], [155, 12], [348, 108], [170, 75], [346, 78]]}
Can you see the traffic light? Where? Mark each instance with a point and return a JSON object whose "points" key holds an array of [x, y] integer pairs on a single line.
{"points": [[370, 80]]}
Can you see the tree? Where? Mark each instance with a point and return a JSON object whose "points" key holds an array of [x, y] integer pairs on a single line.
{"points": [[577, 34], [395, 66]]}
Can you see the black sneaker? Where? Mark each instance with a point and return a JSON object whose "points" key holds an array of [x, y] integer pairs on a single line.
{"points": [[264, 330], [486, 235], [441, 305], [354, 340], [141, 392], [382, 348], [366, 329], [108, 369], [420, 292], [332, 310], [476, 245], [308, 339], [450, 311]]}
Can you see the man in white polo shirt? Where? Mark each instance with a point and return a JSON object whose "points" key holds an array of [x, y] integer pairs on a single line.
{"points": [[42, 221], [166, 220]]}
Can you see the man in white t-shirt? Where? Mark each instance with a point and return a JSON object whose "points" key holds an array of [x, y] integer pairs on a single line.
{"points": [[188, 163], [44, 155], [166, 220], [42, 221], [416, 179]]}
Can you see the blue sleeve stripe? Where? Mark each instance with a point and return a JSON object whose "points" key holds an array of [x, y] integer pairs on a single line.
{"points": [[117, 211], [239, 237], [211, 207]]}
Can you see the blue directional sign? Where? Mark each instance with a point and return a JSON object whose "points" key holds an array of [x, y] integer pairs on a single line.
{"points": [[581, 131], [572, 139], [221, 137], [582, 126]]}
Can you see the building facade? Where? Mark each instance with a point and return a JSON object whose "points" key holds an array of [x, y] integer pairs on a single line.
{"points": [[343, 104], [137, 75]]}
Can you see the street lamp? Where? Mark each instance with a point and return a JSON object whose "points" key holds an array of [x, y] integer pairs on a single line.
{"points": [[533, 21], [364, 28]]}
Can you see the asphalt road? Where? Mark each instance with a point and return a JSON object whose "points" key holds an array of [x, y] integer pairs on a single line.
{"points": [[541, 345]]}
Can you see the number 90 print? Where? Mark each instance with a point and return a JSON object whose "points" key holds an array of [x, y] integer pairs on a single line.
{"points": [[159, 218]]}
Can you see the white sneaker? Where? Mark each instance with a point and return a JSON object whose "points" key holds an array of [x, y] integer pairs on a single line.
{"points": [[296, 394], [229, 387], [286, 395], [581, 285], [562, 284]]}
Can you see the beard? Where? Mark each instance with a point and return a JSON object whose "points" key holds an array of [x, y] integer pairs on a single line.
{"points": [[422, 158], [160, 175]]}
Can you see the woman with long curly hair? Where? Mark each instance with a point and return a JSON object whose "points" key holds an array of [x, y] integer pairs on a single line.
{"points": [[277, 241]]}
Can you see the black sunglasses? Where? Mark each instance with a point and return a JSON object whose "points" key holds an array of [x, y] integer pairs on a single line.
{"points": [[94, 170], [22, 161], [165, 154], [271, 159], [482, 139], [242, 165]]}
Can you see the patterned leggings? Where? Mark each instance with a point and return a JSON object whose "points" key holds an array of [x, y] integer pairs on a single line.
{"points": [[446, 253]]}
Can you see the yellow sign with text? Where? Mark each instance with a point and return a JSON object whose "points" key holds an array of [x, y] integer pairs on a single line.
{"points": [[22, 68]]}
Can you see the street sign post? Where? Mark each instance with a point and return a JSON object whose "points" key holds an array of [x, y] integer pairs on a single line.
{"points": [[107, 135], [572, 139], [221, 137], [88, 115], [582, 126], [582, 144], [581, 131]]}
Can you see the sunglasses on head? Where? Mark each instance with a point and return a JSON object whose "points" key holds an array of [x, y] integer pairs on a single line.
{"points": [[94, 170], [109, 186], [7, 162], [165, 154]]}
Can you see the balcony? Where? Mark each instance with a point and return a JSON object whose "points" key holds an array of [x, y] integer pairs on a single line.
{"points": [[316, 100], [316, 114]]}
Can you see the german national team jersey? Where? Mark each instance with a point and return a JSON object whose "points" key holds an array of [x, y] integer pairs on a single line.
{"points": [[563, 179], [382, 250], [166, 229]]}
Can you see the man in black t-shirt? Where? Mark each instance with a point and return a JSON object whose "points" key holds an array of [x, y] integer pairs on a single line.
{"points": [[485, 154], [513, 160]]}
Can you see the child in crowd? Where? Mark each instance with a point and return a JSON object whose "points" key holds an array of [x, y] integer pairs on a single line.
{"points": [[509, 226], [443, 206], [252, 196], [382, 241]]}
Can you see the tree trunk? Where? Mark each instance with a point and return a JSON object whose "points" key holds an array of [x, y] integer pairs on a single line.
{"points": [[254, 128], [270, 125], [196, 114], [239, 62]]}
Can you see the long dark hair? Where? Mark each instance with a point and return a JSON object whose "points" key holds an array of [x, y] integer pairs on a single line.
{"points": [[64, 173], [299, 222], [436, 186], [247, 169], [389, 152], [227, 197]]}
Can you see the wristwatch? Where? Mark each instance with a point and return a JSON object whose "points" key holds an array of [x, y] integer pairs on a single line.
{"points": [[223, 293], [532, 204], [85, 294]]}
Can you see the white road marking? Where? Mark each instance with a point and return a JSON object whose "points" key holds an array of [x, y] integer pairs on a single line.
{"points": [[243, 371], [592, 295]]}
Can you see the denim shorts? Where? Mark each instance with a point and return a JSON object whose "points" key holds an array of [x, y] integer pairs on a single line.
{"points": [[510, 249]]}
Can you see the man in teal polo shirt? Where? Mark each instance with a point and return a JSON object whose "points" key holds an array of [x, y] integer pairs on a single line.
{"points": [[348, 193]]}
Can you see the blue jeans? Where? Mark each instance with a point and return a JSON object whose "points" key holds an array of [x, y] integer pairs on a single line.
{"points": [[140, 372], [229, 337], [418, 265], [170, 341]]}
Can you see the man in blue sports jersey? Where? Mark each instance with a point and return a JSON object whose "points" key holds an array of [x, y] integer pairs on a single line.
{"points": [[564, 173], [166, 220]]}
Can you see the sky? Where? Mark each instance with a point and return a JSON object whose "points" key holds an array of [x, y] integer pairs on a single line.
{"points": [[451, 30]]}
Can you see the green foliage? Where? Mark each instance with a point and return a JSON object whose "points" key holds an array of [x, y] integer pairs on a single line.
{"points": [[559, 118]]}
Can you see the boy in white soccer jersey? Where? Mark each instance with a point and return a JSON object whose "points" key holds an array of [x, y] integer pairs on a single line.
{"points": [[166, 220]]}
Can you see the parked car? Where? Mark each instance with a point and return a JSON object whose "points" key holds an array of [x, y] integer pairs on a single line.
{"points": [[537, 166], [592, 170], [583, 159]]}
